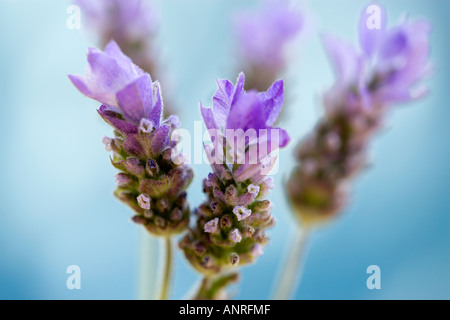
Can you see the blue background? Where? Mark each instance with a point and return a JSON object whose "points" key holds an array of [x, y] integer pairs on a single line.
{"points": [[56, 202]]}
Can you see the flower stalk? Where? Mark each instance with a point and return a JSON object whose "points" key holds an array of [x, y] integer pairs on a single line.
{"points": [[230, 225], [291, 271], [151, 181], [213, 287], [166, 269], [388, 70]]}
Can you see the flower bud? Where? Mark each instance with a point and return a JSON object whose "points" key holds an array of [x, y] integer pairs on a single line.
{"points": [[176, 214], [151, 167], [226, 222], [144, 201], [234, 259]]}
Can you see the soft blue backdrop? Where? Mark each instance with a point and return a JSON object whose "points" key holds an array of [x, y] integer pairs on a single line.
{"points": [[56, 203]]}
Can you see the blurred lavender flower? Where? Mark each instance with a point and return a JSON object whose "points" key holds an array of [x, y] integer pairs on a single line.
{"points": [[262, 39], [388, 70], [230, 224], [149, 182], [132, 24]]}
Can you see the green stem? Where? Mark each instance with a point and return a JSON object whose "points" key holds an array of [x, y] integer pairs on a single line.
{"points": [[212, 288], [167, 269], [291, 273], [203, 291], [148, 271]]}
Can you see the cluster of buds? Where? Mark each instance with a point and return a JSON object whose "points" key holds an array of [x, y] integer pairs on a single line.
{"points": [[387, 71], [230, 226], [262, 39], [329, 157], [150, 182]]}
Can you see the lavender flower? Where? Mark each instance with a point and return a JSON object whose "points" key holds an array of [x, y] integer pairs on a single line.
{"points": [[262, 39], [132, 24], [149, 181], [388, 70], [230, 224]]}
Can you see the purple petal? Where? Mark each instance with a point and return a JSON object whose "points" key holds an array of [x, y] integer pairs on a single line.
{"points": [[225, 96], [273, 101], [239, 87], [370, 35], [247, 171], [271, 140], [79, 83], [107, 73], [208, 118], [104, 77], [135, 99], [113, 50], [283, 137], [404, 62], [395, 44], [115, 120], [247, 113], [344, 59], [399, 94], [157, 108], [222, 101], [160, 139]]}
